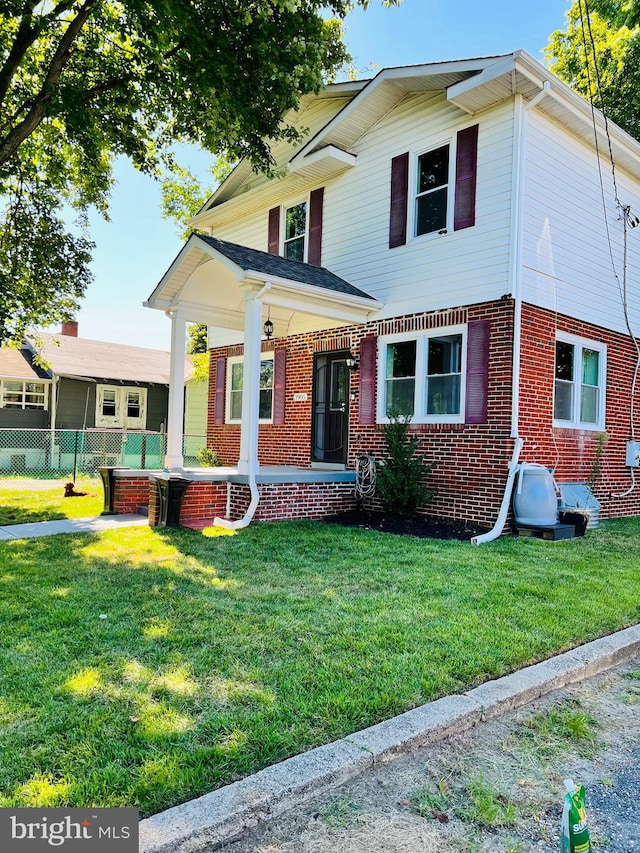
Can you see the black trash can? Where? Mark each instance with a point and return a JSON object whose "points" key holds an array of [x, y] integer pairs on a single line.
{"points": [[108, 483], [171, 489]]}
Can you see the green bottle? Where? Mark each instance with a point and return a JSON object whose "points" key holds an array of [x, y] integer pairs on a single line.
{"points": [[575, 832]]}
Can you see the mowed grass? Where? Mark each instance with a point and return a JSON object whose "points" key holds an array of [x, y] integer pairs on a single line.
{"points": [[143, 668], [25, 501]]}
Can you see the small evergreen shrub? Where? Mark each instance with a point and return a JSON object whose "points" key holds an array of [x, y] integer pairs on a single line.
{"points": [[400, 479], [208, 458]]}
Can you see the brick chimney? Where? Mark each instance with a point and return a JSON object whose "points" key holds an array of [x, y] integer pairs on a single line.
{"points": [[69, 328]]}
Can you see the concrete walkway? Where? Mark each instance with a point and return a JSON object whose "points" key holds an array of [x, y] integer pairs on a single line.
{"points": [[71, 525]]}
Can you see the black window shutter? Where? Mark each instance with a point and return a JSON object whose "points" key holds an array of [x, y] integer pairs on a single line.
{"points": [[466, 175], [399, 200], [477, 371]]}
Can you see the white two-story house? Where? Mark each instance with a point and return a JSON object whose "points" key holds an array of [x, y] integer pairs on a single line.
{"points": [[451, 241]]}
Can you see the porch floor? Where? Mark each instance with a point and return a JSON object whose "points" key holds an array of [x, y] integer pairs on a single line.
{"points": [[270, 474]]}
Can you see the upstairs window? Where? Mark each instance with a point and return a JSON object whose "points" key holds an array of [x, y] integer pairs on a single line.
{"points": [[442, 189], [295, 231], [16, 394], [432, 191], [578, 397]]}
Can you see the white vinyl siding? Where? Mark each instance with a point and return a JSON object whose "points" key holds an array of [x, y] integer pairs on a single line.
{"points": [[437, 271], [567, 257]]}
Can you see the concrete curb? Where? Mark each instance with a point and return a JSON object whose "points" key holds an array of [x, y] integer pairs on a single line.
{"points": [[215, 818]]}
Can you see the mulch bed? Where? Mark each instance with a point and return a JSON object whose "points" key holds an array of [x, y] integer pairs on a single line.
{"points": [[424, 527]]}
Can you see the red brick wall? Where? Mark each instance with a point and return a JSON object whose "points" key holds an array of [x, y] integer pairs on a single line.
{"points": [[294, 500], [571, 452], [471, 460], [204, 501], [129, 493]]}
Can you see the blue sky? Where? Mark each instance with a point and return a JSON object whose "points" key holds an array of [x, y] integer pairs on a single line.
{"points": [[135, 248]]}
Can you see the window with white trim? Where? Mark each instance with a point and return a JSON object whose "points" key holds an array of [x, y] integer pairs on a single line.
{"points": [[235, 374], [119, 406], [19, 394], [295, 231], [579, 383], [432, 191], [423, 376]]}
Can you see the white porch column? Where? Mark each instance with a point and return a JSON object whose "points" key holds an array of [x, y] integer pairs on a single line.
{"points": [[248, 461], [175, 419]]}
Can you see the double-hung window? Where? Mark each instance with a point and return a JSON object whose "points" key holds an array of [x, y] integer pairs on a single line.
{"points": [[120, 406], [423, 376], [235, 385], [17, 394], [295, 231], [579, 383], [432, 191]]}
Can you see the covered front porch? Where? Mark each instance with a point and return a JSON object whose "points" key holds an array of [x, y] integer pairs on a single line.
{"points": [[248, 299], [212, 494]]}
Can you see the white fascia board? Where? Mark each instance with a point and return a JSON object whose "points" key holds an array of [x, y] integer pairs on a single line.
{"points": [[300, 161], [397, 74], [320, 307], [194, 242], [320, 293], [498, 69]]}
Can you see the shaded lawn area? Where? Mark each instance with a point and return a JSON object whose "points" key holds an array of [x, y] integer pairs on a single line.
{"points": [[23, 502], [143, 669]]}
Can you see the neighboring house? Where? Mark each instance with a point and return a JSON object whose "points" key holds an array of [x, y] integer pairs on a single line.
{"points": [[87, 385], [25, 391], [449, 228]]}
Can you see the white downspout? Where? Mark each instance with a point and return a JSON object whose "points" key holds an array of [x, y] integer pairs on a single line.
{"points": [[515, 260], [248, 462], [504, 507], [515, 263]]}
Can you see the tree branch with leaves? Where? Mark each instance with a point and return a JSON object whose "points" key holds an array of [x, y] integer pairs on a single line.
{"points": [[85, 81]]}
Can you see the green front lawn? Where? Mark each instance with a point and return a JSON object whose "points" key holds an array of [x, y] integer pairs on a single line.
{"points": [[144, 668], [24, 501]]}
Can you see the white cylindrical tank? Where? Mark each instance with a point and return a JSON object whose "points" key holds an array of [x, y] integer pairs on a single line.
{"points": [[535, 503]]}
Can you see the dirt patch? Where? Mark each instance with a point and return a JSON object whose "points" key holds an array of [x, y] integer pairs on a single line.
{"points": [[425, 527], [495, 789]]}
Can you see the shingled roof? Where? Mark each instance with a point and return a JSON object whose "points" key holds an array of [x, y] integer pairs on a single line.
{"points": [[78, 357], [284, 268], [18, 364]]}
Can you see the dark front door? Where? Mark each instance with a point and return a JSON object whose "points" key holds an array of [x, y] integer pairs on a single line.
{"points": [[330, 407]]}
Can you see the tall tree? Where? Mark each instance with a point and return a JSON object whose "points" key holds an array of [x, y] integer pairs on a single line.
{"points": [[84, 81], [598, 54]]}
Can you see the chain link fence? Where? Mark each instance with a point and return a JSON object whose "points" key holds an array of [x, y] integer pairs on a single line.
{"points": [[51, 454]]}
